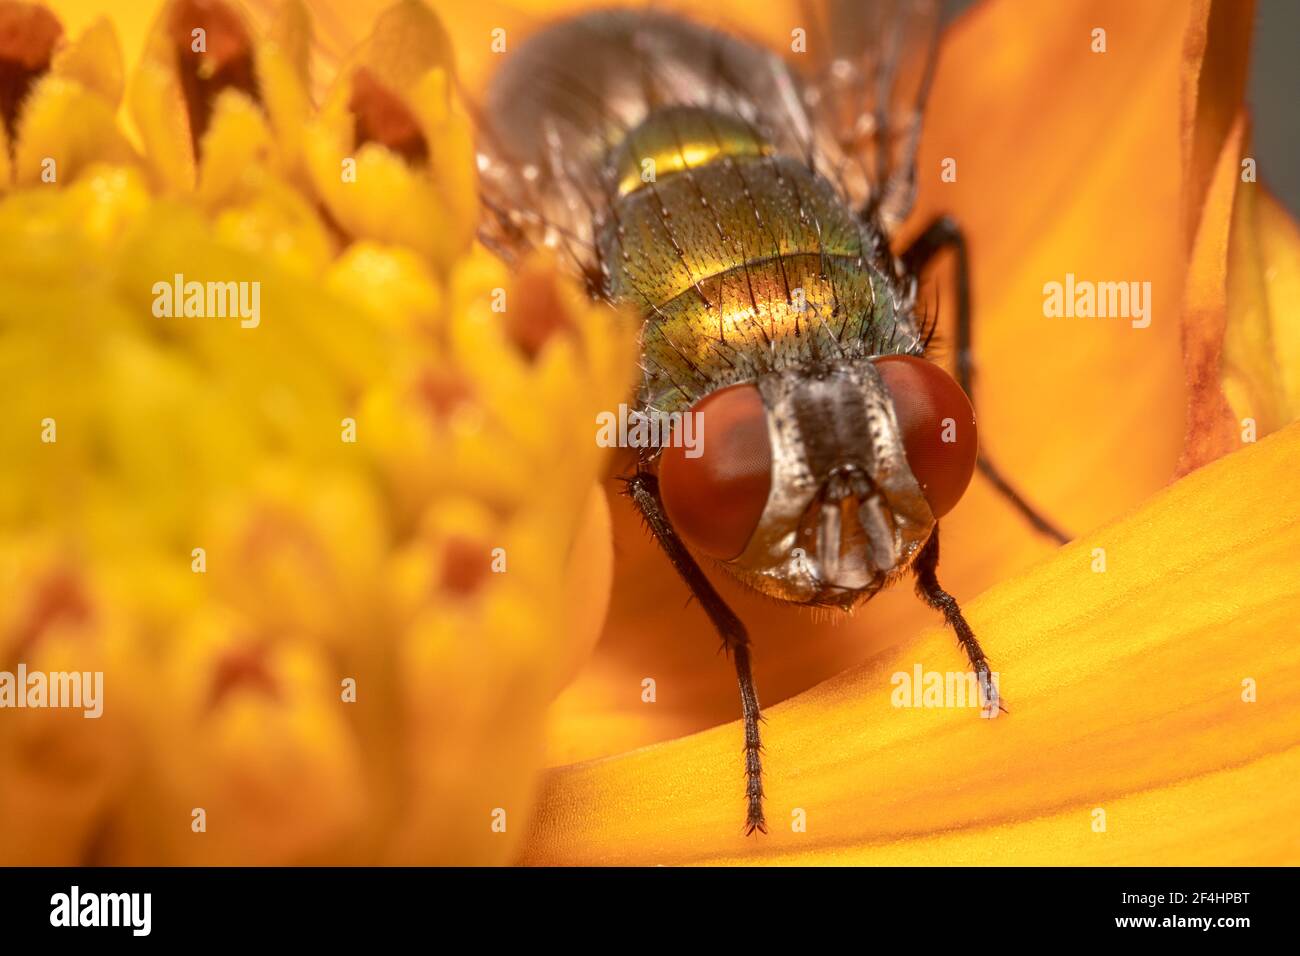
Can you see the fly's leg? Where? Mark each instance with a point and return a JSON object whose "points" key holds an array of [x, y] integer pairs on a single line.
{"points": [[644, 491], [944, 233], [928, 589]]}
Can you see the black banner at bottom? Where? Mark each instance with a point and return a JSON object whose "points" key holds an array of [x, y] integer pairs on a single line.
{"points": [[329, 906]]}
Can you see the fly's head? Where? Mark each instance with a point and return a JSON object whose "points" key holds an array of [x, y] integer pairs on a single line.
{"points": [[820, 485]]}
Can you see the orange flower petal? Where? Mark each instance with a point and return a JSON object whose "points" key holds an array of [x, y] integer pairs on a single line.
{"points": [[1164, 692], [1262, 344], [1211, 426], [1241, 357], [1216, 56], [1242, 335]]}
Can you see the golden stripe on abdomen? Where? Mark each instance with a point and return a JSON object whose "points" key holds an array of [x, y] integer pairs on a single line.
{"points": [[672, 234], [749, 326], [742, 264]]}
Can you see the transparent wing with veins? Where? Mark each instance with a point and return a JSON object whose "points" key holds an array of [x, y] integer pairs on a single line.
{"points": [[845, 96]]}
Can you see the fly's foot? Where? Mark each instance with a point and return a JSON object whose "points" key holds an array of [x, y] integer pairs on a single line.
{"points": [[990, 698]]}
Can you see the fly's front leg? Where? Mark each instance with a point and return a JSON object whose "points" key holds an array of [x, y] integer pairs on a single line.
{"points": [[644, 491], [944, 233], [927, 587]]}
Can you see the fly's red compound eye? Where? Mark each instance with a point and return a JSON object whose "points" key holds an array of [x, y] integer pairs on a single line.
{"points": [[937, 425], [715, 500]]}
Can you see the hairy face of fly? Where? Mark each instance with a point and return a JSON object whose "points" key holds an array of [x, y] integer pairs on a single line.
{"points": [[821, 489]]}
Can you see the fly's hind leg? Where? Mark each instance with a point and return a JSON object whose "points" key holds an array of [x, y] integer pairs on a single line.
{"points": [[643, 488], [927, 587], [944, 233]]}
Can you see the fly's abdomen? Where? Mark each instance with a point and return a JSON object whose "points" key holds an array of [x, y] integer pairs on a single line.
{"points": [[741, 260]]}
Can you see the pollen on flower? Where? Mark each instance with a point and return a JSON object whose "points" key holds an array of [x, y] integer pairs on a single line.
{"points": [[58, 597], [465, 566], [239, 669], [442, 391], [381, 117], [28, 36], [274, 531], [225, 62], [536, 312]]}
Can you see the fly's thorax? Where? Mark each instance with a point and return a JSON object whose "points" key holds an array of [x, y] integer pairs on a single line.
{"points": [[761, 317], [845, 515], [743, 261]]}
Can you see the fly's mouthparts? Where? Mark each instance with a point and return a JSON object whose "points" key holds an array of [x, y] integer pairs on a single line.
{"points": [[856, 539], [881, 539], [846, 599], [830, 539]]}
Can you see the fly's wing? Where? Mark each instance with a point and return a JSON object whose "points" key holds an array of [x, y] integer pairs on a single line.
{"points": [[569, 95], [866, 68], [845, 98]]}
